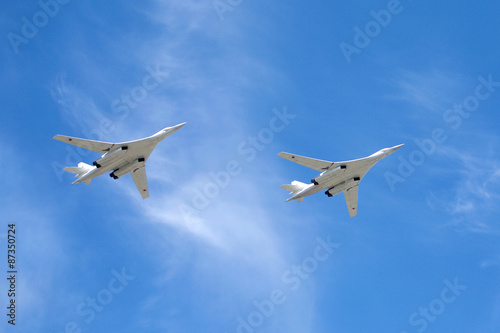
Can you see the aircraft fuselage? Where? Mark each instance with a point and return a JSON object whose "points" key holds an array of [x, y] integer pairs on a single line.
{"points": [[118, 159], [342, 175]]}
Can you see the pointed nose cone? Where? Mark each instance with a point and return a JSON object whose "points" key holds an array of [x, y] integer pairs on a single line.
{"points": [[393, 149], [167, 131], [385, 152], [173, 129]]}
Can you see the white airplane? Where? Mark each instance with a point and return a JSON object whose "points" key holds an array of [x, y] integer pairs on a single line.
{"points": [[335, 177], [119, 158]]}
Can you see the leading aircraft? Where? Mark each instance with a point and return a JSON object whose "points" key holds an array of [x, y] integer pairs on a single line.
{"points": [[118, 158], [335, 177]]}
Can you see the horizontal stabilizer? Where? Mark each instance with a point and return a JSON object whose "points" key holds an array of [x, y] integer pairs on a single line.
{"points": [[72, 170], [81, 169], [294, 187]]}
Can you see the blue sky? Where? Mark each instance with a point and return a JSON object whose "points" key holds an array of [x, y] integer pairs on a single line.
{"points": [[422, 254]]}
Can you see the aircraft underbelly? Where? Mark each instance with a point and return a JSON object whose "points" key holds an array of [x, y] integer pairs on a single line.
{"points": [[311, 190], [142, 151], [107, 169], [339, 179]]}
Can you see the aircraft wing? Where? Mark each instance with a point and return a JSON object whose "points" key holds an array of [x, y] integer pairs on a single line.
{"points": [[351, 199], [140, 180], [97, 146], [318, 165]]}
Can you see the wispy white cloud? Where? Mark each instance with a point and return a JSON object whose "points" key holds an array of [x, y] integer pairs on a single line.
{"points": [[78, 109], [429, 91], [475, 191], [490, 262], [40, 254], [491, 320], [236, 230]]}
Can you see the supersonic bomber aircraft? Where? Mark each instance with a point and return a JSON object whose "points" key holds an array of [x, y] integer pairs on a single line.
{"points": [[118, 158], [335, 177]]}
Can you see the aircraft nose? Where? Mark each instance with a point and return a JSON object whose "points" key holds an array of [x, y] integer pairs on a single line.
{"points": [[174, 128], [393, 149], [397, 147]]}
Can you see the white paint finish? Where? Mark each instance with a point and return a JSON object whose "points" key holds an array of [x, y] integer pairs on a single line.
{"points": [[118, 158], [336, 177]]}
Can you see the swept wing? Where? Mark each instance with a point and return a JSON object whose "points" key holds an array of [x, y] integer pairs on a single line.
{"points": [[140, 180], [312, 163], [351, 199], [97, 146]]}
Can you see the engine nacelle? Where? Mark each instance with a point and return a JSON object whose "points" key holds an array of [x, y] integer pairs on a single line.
{"points": [[111, 157], [327, 174], [342, 186], [127, 168]]}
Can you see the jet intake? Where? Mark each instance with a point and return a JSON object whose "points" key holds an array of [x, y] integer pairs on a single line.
{"points": [[110, 157], [327, 174], [127, 168]]}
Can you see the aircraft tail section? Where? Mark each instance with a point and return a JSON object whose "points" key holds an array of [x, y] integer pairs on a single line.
{"points": [[80, 170], [295, 187]]}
